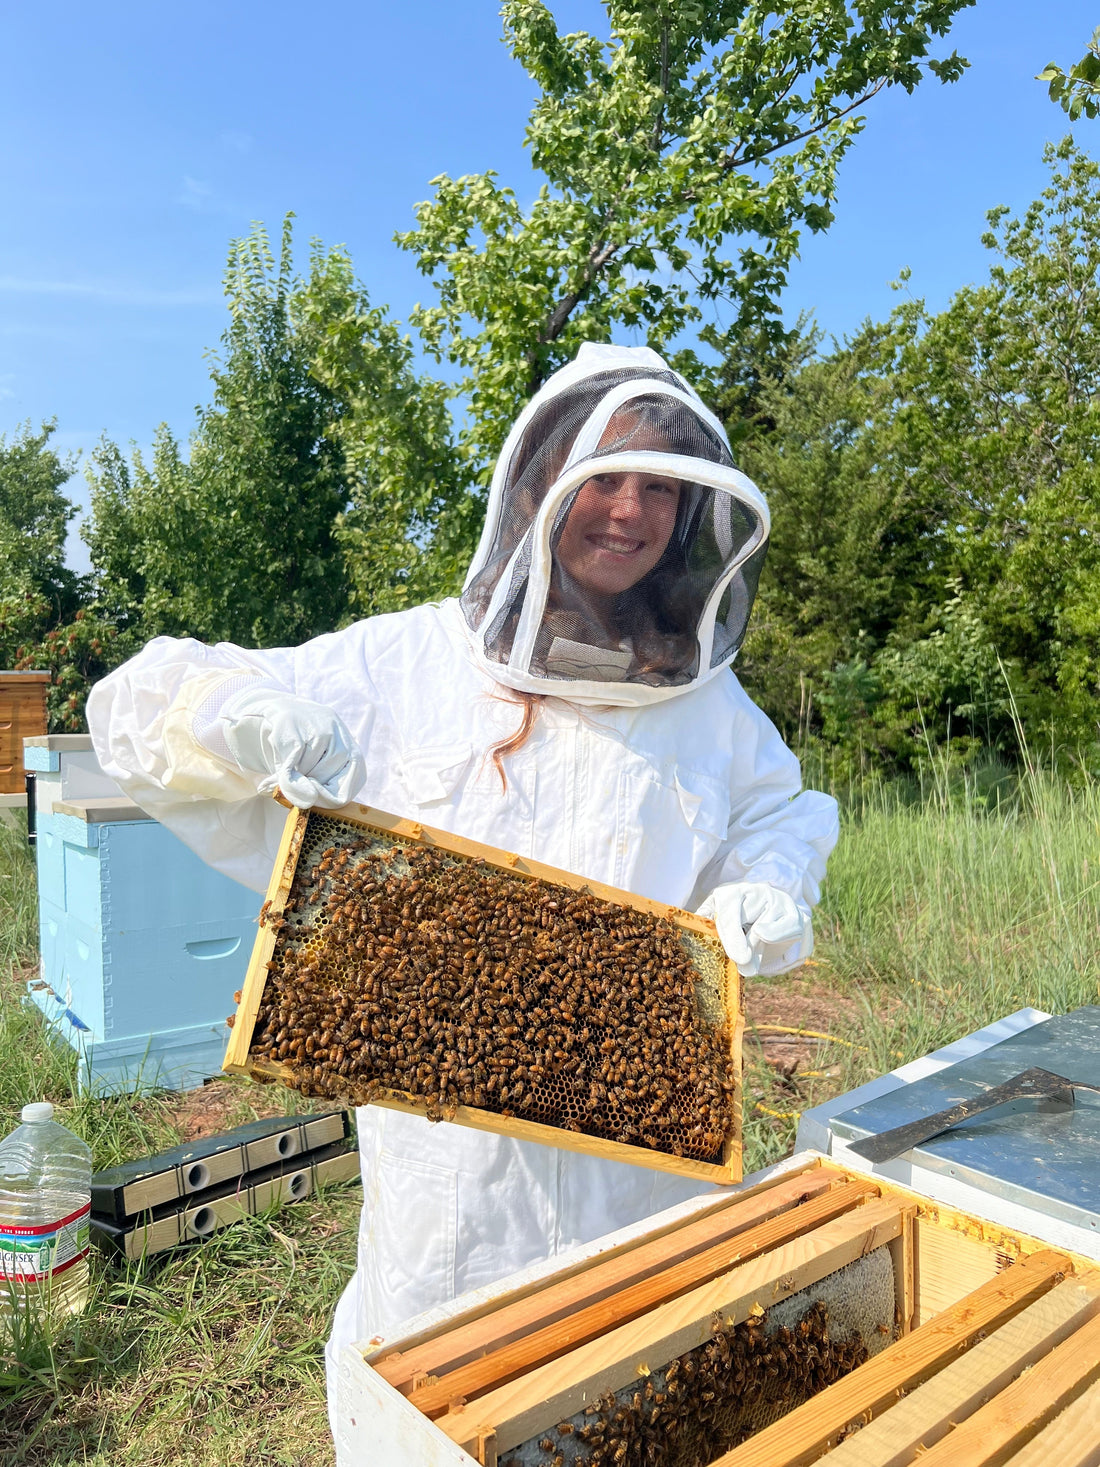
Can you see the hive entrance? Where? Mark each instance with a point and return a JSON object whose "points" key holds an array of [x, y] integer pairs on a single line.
{"points": [[409, 969]]}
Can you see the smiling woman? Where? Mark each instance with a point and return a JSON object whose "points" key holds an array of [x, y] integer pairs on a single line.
{"points": [[617, 570], [617, 531], [621, 544]]}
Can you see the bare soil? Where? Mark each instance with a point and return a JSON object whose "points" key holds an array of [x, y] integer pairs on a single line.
{"points": [[801, 1001], [219, 1105]]}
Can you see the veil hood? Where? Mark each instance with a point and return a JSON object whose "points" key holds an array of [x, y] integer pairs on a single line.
{"points": [[537, 622]]}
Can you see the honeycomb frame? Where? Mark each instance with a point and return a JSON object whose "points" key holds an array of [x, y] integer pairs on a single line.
{"points": [[718, 991]]}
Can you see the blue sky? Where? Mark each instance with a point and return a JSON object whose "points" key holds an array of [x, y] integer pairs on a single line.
{"points": [[140, 139]]}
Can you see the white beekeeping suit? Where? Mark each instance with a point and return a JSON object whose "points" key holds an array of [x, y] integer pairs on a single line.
{"points": [[614, 578]]}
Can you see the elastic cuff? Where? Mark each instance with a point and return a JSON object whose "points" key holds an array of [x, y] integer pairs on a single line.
{"points": [[206, 725]]}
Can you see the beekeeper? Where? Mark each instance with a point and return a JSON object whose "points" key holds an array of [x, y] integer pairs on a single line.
{"points": [[575, 705]]}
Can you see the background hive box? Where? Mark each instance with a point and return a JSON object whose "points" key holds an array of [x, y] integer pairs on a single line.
{"points": [[376, 847], [22, 716], [828, 1313], [142, 943]]}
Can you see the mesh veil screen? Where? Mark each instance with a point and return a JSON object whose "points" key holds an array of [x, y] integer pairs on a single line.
{"points": [[647, 632]]}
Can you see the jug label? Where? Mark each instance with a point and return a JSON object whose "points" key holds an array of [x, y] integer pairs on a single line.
{"points": [[36, 1251]]}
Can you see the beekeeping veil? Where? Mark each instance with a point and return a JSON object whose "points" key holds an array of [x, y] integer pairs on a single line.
{"points": [[534, 623]]}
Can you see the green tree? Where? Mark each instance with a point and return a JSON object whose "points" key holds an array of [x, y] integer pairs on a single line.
{"points": [[320, 484], [1078, 90], [237, 540], [681, 160], [44, 620], [37, 589], [856, 551], [410, 526], [936, 497], [1006, 387]]}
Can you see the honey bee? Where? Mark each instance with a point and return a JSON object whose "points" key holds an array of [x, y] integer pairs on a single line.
{"points": [[458, 983]]}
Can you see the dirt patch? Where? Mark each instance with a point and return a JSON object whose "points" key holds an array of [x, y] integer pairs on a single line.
{"points": [[220, 1105], [800, 1001]]}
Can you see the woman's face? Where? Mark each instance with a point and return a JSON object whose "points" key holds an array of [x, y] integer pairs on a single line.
{"points": [[619, 525]]}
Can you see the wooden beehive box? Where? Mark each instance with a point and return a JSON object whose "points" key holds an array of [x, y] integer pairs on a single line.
{"points": [[575, 1015], [822, 1314], [22, 716]]}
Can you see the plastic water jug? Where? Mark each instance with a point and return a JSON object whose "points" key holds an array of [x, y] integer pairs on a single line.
{"points": [[45, 1200]]}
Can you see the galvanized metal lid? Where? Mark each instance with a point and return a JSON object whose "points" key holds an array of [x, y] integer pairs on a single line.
{"points": [[1044, 1154]]}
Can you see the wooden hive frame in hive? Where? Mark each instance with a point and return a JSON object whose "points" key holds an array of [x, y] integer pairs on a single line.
{"points": [[699, 937], [995, 1355]]}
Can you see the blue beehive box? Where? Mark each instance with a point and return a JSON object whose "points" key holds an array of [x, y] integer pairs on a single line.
{"points": [[142, 944]]}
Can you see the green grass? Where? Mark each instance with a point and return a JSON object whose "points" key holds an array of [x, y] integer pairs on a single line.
{"points": [[942, 912], [940, 915], [204, 1356]]}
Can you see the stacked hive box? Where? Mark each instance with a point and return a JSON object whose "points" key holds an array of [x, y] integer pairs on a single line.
{"points": [[22, 716], [142, 944]]}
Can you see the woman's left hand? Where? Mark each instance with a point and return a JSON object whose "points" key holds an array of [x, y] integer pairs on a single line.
{"points": [[758, 925]]}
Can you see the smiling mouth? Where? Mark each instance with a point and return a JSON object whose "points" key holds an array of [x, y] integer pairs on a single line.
{"points": [[615, 544]]}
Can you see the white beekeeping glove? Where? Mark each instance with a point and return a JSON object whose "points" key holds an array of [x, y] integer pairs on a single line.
{"points": [[301, 748], [763, 929]]}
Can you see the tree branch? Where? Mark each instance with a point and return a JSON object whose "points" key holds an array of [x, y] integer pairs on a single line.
{"points": [[659, 120], [598, 256], [731, 160], [601, 252]]}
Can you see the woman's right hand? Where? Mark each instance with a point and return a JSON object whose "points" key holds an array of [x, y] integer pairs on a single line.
{"points": [[303, 749]]}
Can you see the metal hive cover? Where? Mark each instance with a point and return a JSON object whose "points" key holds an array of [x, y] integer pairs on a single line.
{"points": [[1043, 1154]]}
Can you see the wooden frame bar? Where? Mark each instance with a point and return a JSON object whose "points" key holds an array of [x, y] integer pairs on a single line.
{"points": [[516, 1412], [543, 1345], [239, 1059], [473, 1340], [1071, 1440], [808, 1431], [903, 1257], [917, 1421], [1022, 1409]]}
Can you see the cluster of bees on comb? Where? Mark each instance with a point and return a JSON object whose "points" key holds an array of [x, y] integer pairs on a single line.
{"points": [[705, 1402], [453, 982]]}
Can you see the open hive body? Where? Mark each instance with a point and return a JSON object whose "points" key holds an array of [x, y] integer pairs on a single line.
{"points": [[590, 1019], [817, 1313]]}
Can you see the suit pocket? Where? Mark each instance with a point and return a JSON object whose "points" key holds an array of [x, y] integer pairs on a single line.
{"points": [[667, 829], [410, 1239], [432, 772]]}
